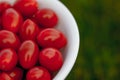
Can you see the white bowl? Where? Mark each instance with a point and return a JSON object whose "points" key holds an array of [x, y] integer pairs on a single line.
{"points": [[68, 26]]}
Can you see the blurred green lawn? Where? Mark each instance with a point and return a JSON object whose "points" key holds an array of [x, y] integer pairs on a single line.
{"points": [[99, 26]]}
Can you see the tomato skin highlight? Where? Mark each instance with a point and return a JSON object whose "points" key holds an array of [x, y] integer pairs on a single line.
{"points": [[38, 73], [8, 59], [28, 54], [51, 58], [11, 20]]}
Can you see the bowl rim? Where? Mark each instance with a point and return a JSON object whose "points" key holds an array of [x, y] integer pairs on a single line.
{"points": [[59, 75]]}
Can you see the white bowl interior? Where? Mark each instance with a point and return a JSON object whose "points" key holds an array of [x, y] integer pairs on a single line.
{"points": [[69, 27]]}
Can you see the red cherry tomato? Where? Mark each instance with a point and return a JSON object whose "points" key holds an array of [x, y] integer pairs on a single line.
{"points": [[29, 30], [38, 73], [51, 59], [26, 7], [51, 38], [46, 17], [5, 76], [28, 54], [8, 59], [11, 20], [8, 40], [4, 6], [16, 73]]}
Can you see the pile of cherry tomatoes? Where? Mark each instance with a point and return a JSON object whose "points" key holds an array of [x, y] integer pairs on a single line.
{"points": [[29, 43]]}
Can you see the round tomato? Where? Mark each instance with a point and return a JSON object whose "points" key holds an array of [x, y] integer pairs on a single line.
{"points": [[51, 59], [11, 20], [8, 59], [46, 17], [28, 54], [8, 40], [29, 30], [26, 7], [38, 73], [51, 38]]}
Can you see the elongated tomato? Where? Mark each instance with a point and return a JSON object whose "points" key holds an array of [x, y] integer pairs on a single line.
{"points": [[28, 30], [28, 54], [11, 20]]}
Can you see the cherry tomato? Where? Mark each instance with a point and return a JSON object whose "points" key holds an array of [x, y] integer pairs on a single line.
{"points": [[29, 30], [51, 38], [28, 54], [38, 73], [8, 40], [11, 20], [5, 76], [8, 59], [4, 6], [46, 17], [51, 59], [16, 73], [26, 7]]}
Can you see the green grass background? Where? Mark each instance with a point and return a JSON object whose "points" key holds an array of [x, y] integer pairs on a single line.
{"points": [[99, 25]]}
